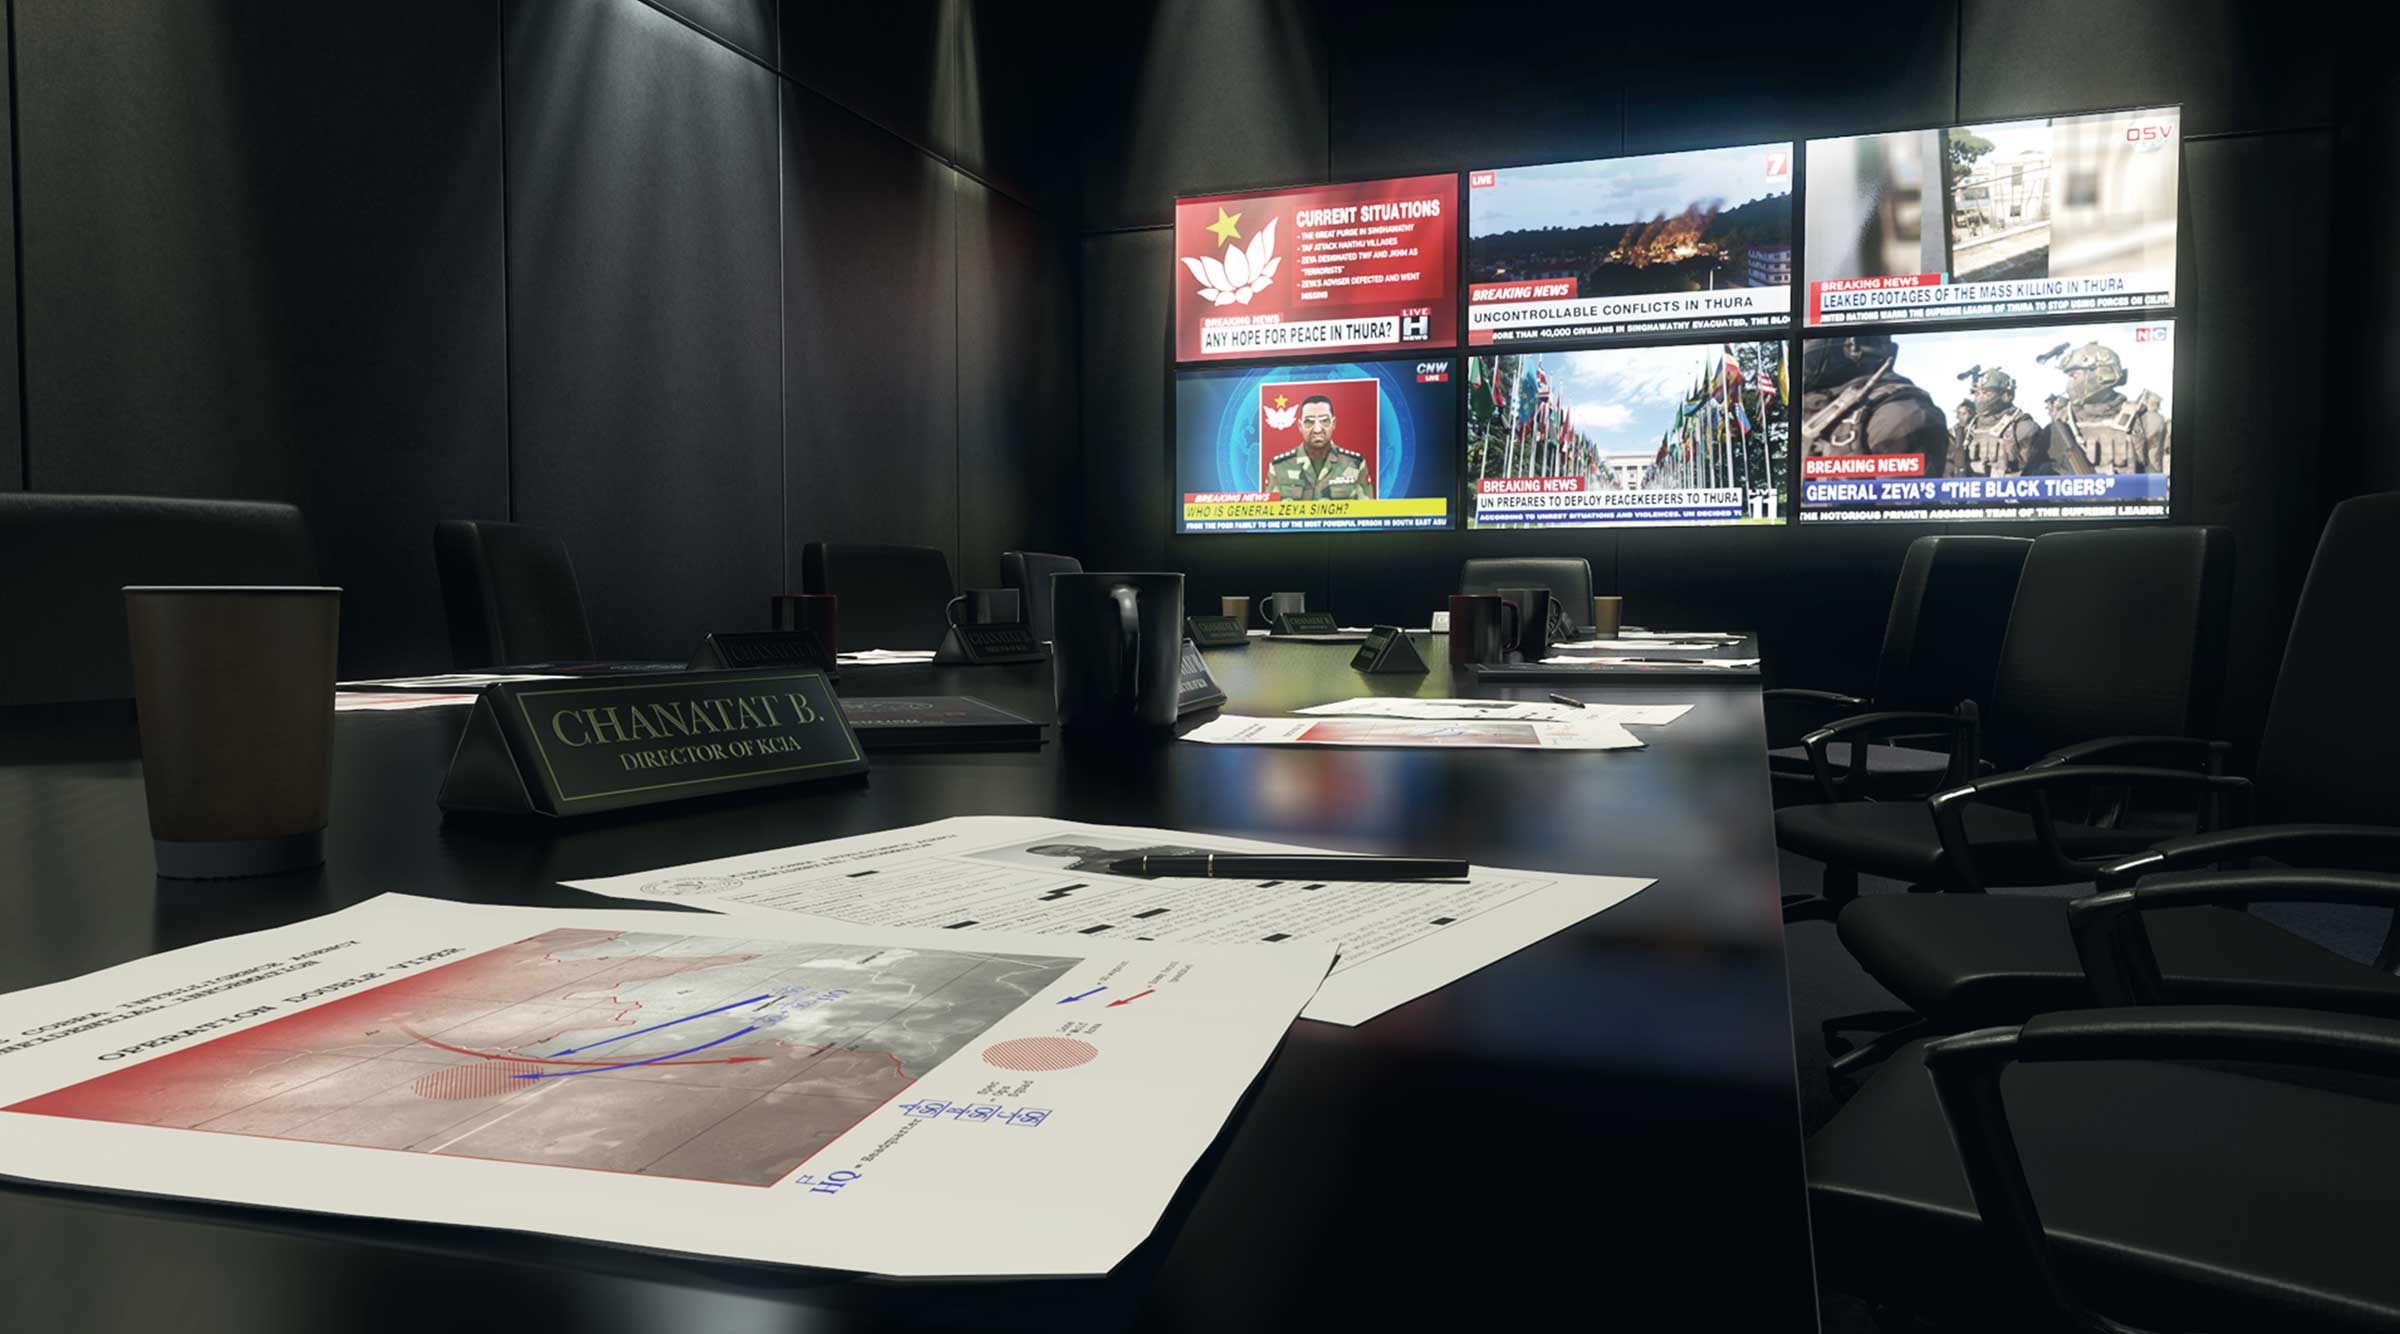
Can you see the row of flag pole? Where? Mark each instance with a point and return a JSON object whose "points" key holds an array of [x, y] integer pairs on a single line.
{"points": [[1706, 446]]}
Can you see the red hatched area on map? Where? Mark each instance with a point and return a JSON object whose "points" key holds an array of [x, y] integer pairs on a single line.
{"points": [[713, 1059]]}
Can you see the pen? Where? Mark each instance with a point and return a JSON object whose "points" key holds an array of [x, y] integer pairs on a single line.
{"points": [[1569, 700], [1228, 866]]}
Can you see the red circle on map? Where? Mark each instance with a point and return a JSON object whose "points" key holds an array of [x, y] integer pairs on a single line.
{"points": [[1039, 1053]]}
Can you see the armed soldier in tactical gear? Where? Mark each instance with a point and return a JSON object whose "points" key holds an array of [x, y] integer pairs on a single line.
{"points": [[1852, 401], [2101, 428], [1996, 438]]}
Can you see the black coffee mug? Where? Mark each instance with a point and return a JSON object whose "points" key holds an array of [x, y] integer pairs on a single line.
{"points": [[986, 606], [1116, 652], [1533, 631], [1281, 604], [1482, 627]]}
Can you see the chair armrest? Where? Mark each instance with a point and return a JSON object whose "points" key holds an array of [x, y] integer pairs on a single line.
{"points": [[2115, 945], [1966, 1073], [1814, 707], [2163, 752], [1963, 724], [1950, 808], [2358, 846]]}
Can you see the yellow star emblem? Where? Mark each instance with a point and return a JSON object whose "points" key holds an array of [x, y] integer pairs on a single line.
{"points": [[1280, 400], [1224, 225]]}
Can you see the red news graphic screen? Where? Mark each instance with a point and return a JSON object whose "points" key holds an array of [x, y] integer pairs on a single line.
{"points": [[1294, 273]]}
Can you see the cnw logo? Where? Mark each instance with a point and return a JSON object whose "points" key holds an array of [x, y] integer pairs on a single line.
{"points": [[1433, 368], [2156, 333], [2150, 135]]}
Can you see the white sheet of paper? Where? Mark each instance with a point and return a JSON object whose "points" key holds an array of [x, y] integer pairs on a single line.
{"points": [[1645, 645], [789, 1090], [1392, 706], [874, 655], [1585, 660], [453, 680], [370, 701], [1020, 874], [1653, 636], [1233, 729]]}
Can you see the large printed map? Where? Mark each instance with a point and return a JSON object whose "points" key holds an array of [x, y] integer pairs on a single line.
{"points": [[710, 1058]]}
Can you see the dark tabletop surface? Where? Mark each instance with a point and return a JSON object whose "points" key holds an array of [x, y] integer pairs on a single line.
{"points": [[1603, 1124]]}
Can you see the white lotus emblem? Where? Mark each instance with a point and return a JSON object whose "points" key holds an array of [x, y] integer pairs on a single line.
{"points": [[1281, 419], [1242, 274]]}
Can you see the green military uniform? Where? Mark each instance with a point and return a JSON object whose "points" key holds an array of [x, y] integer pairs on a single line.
{"points": [[1342, 476]]}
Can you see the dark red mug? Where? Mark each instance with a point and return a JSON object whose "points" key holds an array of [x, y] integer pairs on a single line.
{"points": [[816, 612], [1483, 628]]}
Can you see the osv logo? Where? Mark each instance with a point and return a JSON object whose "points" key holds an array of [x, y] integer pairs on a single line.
{"points": [[2149, 136]]}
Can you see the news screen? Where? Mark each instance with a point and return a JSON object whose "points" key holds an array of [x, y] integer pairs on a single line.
{"points": [[1694, 434], [1315, 446], [2071, 421], [2028, 217], [1630, 246], [1370, 265]]}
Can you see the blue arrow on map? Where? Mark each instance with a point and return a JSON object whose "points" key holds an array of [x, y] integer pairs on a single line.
{"points": [[1093, 992]]}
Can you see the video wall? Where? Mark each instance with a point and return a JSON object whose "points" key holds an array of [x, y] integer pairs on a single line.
{"points": [[1982, 327]]}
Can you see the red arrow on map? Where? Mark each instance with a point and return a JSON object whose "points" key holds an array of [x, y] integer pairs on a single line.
{"points": [[1129, 999]]}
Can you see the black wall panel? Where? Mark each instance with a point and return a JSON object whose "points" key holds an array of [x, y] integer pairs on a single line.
{"points": [[1815, 68], [747, 24], [1193, 97], [2236, 66], [1126, 398], [1019, 460], [1421, 87], [645, 375], [12, 452], [262, 257], [871, 335]]}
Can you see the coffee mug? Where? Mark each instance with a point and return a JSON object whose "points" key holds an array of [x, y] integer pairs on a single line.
{"points": [[1237, 608], [817, 613], [1281, 604], [1117, 652], [1608, 615], [1533, 631], [1482, 627], [985, 606], [233, 692]]}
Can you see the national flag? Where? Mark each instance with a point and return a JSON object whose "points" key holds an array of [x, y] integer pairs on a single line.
{"points": [[1741, 416]]}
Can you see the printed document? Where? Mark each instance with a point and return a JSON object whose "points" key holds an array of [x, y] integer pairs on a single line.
{"points": [[769, 1088], [1397, 940], [1461, 734], [1512, 710]]}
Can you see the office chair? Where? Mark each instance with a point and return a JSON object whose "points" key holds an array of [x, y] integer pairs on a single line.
{"points": [[2110, 665], [1941, 645], [1569, 579], [1029, 573], [2116, 1170], [65, 560], [2325, 757], [892, 596], [509, 593]]}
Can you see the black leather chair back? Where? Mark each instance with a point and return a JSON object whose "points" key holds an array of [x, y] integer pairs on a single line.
{"points": [[1569, 579], [892, 597], [1949, 616], [2331, 749], [2115, 632], [65, 561], [1029, 573], [510, 594]]}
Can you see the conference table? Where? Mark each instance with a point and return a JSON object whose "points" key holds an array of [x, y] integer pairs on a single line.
{"points": [[1604, 1124]]}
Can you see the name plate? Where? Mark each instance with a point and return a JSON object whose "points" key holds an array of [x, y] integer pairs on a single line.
{"points": [[1388, 649], [1196, 687], [565, 748]]}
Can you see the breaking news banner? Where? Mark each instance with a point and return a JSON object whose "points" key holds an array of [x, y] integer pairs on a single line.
{"points": [[2068, 214], [1371, 265], [1694, 242], [1315, 446], [1611, 437], [2066, 421]]}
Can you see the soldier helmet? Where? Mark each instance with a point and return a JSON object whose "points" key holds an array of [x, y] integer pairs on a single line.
{"points": [[2102, 370], [1995, 391]]}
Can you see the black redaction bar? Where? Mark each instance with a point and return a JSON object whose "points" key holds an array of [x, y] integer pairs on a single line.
{"points": [[1218, 866]]}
